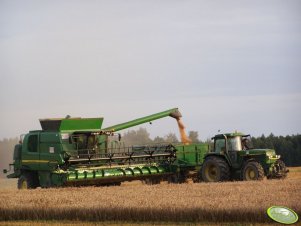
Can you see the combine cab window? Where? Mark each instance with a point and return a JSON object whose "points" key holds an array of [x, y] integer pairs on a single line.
{"points": [[32, 143], [84, 141]]}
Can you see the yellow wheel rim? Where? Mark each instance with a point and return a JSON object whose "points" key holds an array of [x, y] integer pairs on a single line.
{"points": [[250, 174], [24, 184], [211, 172]]}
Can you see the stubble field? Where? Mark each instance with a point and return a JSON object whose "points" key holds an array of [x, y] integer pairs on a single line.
{"points": [[243, 202]]}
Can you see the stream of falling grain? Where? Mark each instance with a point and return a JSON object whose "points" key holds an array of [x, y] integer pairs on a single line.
{"points": [[184, 137]]}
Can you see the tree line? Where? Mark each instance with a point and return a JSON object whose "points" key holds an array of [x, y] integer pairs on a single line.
{"points": [[289, 147]]}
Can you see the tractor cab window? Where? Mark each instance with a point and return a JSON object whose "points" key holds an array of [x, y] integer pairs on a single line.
{"points": [[220, 146], [234, 144], [246, 142]]}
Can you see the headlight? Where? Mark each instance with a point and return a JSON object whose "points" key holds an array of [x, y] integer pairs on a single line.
{"points": [[270, 155]]}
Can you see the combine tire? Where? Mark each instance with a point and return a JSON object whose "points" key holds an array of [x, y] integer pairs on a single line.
{"points": [[252, 171], [27, 181], [215, 169]]}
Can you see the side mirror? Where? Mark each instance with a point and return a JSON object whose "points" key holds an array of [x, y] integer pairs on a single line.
{"points": [[5, 171]]}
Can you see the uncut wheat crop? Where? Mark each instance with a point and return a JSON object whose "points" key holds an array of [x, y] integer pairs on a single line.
{"points": [[191, 202]]}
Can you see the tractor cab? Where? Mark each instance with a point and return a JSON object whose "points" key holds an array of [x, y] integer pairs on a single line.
{"points": [[230, 144], [223, 143]]}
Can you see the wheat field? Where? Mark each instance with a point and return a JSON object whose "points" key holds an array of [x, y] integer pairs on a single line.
{"points": [[134, 202]]}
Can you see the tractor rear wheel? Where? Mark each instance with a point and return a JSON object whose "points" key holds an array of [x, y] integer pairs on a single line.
{"points": [[215, 169], [27, 181], [252, 171]]}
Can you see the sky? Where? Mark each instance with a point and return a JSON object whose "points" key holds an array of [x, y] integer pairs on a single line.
{"points": [[227, 65]]}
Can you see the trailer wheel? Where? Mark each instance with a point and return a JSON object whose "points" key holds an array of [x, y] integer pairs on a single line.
{"points": [[215, 169], [27, 181], [151, 181], [252, 171], [178, 178]]}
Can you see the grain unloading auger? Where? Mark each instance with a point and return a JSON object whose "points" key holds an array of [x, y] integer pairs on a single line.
{"points": [[76, 151]]}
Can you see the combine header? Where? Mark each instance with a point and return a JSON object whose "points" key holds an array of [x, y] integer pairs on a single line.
{"points": [[77, 151]]}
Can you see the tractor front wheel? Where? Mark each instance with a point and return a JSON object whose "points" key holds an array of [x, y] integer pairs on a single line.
{"points": [[215, 169], [279, 170], [252, 171]]}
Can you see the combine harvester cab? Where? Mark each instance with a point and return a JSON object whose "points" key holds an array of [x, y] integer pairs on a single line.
{"points": [[234, 157]]}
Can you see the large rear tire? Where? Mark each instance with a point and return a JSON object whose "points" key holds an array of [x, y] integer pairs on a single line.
{"points": [[28, 181], [252, 171], [215, 169]]}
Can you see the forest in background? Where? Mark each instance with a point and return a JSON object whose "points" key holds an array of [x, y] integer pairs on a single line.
{"points": [[289, 147]]}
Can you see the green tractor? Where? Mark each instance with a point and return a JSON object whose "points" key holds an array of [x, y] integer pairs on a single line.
{"points": [[233, 157]]}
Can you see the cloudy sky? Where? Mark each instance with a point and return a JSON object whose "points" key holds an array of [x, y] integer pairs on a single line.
{"points": [[227, 65]]}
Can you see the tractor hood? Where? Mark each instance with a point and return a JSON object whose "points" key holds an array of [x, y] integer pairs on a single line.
{"points": [[268, 152]]}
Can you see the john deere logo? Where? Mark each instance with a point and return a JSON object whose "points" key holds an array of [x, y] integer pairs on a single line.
{"points": [[282, 214]]}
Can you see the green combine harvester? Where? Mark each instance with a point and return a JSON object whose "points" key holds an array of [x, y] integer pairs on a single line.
{"points": [[78, 152]]}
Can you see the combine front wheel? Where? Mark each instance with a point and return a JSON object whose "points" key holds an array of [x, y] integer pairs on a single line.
{"points": [[252, 171], [27, 181]]}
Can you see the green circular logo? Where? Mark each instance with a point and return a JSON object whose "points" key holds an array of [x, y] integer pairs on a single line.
{"points": [[282, 214]]}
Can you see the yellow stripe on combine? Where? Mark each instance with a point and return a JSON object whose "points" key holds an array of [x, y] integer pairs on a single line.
{"points": [[35, 161]]}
